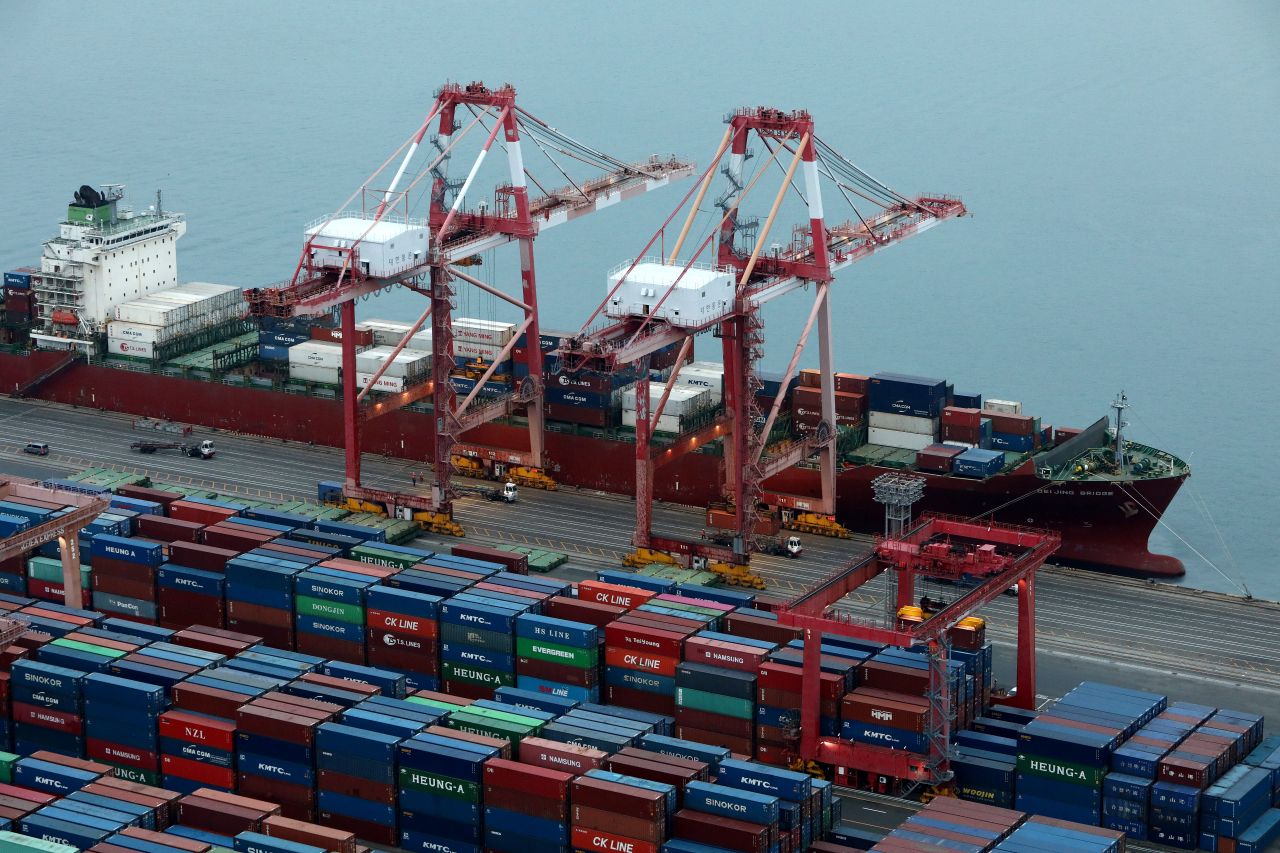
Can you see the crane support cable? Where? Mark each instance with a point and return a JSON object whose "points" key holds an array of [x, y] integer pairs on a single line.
{"points": [[841, 187], [840, 158], [792, 183], [543, 127], [553, 162], [503, 146]]}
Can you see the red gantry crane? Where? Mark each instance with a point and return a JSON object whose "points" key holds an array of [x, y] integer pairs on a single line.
{"points": [[65, 528], [353, 253], [657, 303], [992, 556]]}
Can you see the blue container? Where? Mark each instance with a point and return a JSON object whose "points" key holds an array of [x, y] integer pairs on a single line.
{"points": [[322, 693], [1009, 441], [402, 601], [275, 768], [443, 807], [660, 724], [963, 829], [977, 462], [351, 531], [988, 742], [1057, 809], [1057, 789], [1127, 787], [253, 842], [197, 752], [382, 772], [658, 585], [570, 692], [459, 653], [47, 677], [166, 678], [983, 773], [516, 825], [270, 747], [731, 802], [100, 812], [330, 628], [884, 736], [19, 278], [486, 618], [533, 699], [721, 596], [401, 709], [1137, 760], [592, 737], [373, 745], [1055, 742], [786, 784], [443, 761], [1167, 795], [711, 755], [778, 718], [1259, 837], [145, 817], [391, 683], [129, 550], [421, 842], [331, 588], [11, 524], [901, 394], [52, 778], [577, 399], [1136, 830], [560, 631], [62, 832]]}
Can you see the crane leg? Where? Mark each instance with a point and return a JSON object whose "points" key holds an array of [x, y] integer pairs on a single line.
{"points": [[1026, 695], [906, 589], [644, 468], [350, 405], [69, 548]]}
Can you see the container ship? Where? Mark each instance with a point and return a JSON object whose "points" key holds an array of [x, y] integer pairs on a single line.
{"points": [[188, 353]]}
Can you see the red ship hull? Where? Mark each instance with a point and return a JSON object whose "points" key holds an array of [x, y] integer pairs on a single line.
{"points": [[1103, 525]]}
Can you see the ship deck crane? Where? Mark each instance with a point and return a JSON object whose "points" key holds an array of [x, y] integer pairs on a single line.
{"points": [[629, 335], [456, 233], [995, 556]]}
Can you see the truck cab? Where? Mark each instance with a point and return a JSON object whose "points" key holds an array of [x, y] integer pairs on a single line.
{"points": [[793, 546], [204, 450], [509, 493]]}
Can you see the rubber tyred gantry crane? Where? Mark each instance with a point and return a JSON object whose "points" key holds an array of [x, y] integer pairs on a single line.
{"points": [[992, 556], [333, 273], [66, 529], [644, 305]]}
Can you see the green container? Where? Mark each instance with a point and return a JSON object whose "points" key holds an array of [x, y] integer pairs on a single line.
{"points": [[503, 716], [339, 611], [434, 783], [373, 556], [48, 569], [1052, 768], [12, 842], [134, 774], [432, 703], [714, 703], [451, 671], [114, 654], [489, 727], [527, 647], [7, 760]]}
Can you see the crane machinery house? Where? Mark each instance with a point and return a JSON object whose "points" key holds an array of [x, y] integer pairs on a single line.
{"points": [[390, 246], [703, 294]]}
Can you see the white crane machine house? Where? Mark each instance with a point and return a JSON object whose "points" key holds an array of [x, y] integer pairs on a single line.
{"points": [[703, 294], [389, 246]]}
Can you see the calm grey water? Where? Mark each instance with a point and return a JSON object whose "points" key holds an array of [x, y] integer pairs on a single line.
{"points": [[1120, 161]]}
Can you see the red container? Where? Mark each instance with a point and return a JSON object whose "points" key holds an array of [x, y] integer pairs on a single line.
{"points": [[1186, 771], [354, 786], [158, 805], [126, 588], [401, 651], [700, 769], [96, 641], [899, 679], [36, 798], [739, 745], [606, 593], [1062, 434], [621, 799], [204, 557], [561, 673], [362, 829], [640, 638], [305, 833], [512, 591], [1011, 424], [170, 798], [599, 841], [851, 383], [777, 676], [206, 774], [47, 719], [169, 529], [554, 755], [1074, 724], [199, 513], [340, 683], [466, 690], [286, 793], [757, 628], [78, 621], [526, 804], [331, 648], [847, 404], [143, 493], [272, 635], [56, 592], [423, 629], [717, 723], [502, 745], [810, 378], [654, 771], [683, 624], [162, 663], [515, 563], [628, 827], [177, 618], [960, 416], [720, 831], [576, 414], [256, 613], [528, 779], [965, 434], [207, 700], [220, 537], [287, 727], [724, 655], [587, 612], [641, 700], [364, 337], [220, 734], [907, 713], [101, 750], [784, 699], [642, 661]]}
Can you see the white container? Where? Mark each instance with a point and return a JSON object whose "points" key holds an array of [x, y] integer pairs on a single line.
{"points": [[150, 312], [702, 295], [666, 423], [139, 332], [386, 332], [963, 444], [1004, 407], [684, 399], [310, 373], [137, 349], [489, 332], [905, 423], [316, 354], [408, 363], [470, 350], [392, 384], [893, 438]]}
